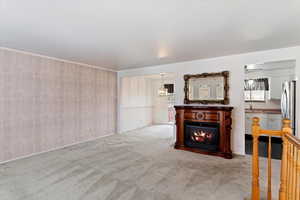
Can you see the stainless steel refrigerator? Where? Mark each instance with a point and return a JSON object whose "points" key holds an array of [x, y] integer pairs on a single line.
{"points": [[288, 102]]}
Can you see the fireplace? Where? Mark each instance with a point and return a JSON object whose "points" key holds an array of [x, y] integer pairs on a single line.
{"points": [[204, 129], [201, 135]]}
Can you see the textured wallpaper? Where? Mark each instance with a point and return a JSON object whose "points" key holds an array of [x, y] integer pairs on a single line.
{"points": [[46, 104]]}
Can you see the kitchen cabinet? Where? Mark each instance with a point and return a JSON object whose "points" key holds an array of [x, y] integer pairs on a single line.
{"points": [[267, 121], [274, 121], [249, 116]]}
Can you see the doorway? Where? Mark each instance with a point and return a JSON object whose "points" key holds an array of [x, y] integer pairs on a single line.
{"points": [[146, 101], [263, 90]]}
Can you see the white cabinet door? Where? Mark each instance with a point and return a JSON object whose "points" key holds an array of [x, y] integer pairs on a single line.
{"points": [[274, 121], [248, 121], [263, 121]]}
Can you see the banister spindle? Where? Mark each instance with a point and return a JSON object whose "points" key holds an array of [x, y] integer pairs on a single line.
{"points": [[290, 171], [298, 175], [269, 195], [294, 172], [255, 159], [283, 176], [286, 129]]}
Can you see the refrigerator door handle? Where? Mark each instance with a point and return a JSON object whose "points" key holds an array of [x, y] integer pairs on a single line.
{"points": [[283, 104], [285, 101]]}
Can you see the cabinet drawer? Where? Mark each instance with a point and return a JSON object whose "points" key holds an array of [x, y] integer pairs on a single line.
{"points": [[189, 115], [212, 116], [205, 116]]}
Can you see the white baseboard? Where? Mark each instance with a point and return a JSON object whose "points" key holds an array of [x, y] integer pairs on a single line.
{"points": [[54, 149], [127, 131], [165, 123]]}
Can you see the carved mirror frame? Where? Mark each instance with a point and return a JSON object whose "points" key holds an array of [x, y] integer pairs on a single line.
{"points": [[224, 101]]}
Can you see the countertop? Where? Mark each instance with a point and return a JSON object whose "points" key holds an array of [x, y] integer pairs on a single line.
{"points": [[261, 110]]}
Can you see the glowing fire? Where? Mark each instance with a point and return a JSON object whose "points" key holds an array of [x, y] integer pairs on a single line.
{"points": [[201, 136]]}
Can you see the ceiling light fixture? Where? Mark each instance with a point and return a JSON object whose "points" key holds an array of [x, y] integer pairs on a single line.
{"points": [[162, 91], [162, 53]]}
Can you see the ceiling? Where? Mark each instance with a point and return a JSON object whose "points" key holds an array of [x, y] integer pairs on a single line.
{"points": [[119, 34]]}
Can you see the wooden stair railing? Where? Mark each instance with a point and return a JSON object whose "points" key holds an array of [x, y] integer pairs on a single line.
{"points": [[290, 163]]}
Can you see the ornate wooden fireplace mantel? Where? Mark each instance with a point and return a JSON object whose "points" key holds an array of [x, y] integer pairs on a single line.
{"points": [[201, 120]]}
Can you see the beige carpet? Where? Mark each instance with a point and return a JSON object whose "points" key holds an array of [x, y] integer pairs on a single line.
{"points": [[139, 165]]}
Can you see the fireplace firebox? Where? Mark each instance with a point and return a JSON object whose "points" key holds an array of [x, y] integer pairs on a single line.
{"points": [[201, 135], [204, 129]]}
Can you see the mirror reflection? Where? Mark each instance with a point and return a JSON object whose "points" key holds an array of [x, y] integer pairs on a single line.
{"points": [[206, 88]]}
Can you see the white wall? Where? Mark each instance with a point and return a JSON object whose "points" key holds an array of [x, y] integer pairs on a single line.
{"points": [[160, 111], [235, 64], [135, 103]]}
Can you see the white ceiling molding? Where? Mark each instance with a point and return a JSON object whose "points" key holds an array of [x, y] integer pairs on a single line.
{"points": [[58, 59]]}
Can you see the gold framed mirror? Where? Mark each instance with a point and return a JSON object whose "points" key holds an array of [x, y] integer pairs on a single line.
{"points": [[206, 88]]}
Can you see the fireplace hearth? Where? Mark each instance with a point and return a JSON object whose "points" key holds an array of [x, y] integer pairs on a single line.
{"points": [[201, 135], [204, 129]]}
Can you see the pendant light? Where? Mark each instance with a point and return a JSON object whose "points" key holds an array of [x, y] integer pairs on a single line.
{"points": [[162, 91]]}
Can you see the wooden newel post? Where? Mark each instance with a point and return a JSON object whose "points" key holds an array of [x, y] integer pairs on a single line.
{"points": [[286, 129], [255, 159], [286, 126]]}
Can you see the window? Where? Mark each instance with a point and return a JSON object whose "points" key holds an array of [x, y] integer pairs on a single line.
{"points": [[256, 89], [255, 95]]}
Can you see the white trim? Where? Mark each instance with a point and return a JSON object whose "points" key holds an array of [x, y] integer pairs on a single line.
{"points": [[164, 123], [136, 129], [54, 149], [134, 107], [57, 59]]}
